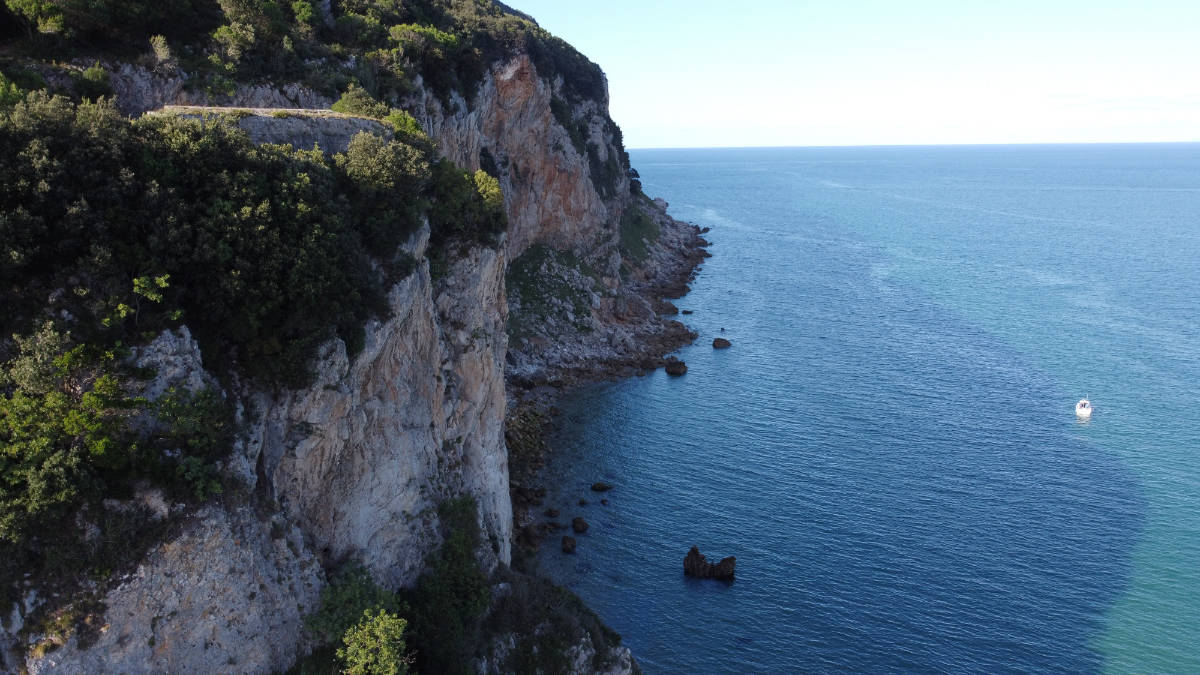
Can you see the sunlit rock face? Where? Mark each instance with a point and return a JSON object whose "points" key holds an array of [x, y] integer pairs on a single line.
{"points": [[549, 192]]}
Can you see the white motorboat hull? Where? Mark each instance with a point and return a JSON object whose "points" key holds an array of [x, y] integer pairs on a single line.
{"points": [[1083, 410]]}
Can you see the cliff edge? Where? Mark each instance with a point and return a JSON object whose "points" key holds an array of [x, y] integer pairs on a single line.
{"points": [[410, 412]]}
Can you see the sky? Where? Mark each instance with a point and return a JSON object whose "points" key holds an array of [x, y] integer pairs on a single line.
{"points": [[859, 72]]}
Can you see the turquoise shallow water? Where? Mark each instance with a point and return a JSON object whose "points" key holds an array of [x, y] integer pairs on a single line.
{"points": [[890, 448]]}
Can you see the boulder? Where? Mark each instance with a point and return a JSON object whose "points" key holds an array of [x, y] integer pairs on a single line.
{"points": [[696, 565], [601, 487], [721, 343], [568, 544], [686, 311], [675, 367], [579, 525]]}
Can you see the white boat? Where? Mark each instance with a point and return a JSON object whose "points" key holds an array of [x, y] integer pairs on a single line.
{"points": [[1083, 409]]}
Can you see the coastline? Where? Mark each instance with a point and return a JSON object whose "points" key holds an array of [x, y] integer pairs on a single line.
{"points": [[636, 331]]}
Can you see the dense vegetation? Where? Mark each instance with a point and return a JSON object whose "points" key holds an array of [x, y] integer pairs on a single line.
{"points": [[637, 232], [261, 249], [113, 230], [448, 42], [549, 286], [378, 47], [442, 615], [443, 619]]}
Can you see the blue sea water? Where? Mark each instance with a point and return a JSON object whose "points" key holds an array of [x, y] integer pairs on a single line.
{"points": [[889, 448]]}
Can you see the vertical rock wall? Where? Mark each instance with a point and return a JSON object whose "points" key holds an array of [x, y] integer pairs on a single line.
{"points": [[362, 458], [548, 188], [355, 465]]}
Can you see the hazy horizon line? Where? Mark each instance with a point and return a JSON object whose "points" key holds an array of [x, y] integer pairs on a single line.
{"points": [[909, 145]]}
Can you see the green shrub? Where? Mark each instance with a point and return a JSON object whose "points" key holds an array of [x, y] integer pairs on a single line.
{"points": [[351, 592], [539, 280], [404, 123], [638, 231], [576, 130], [449, 598], [375, 645], [63, 430], [546, 621], [10, 93], [357, 101], [93, 83], [160, 49], [467, 207], [67, 438]]}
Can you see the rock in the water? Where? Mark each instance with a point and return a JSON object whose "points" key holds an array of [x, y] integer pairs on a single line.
{"points": [[568, 544], [675, 366], [579, 525], [721, 343], [551, 513], [686, 311], [696, 565], [601, 487], [604, 502], [583, 502]]}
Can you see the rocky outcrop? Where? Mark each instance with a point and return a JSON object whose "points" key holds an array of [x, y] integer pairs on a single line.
{"points": [[549, 191], [137, 90], [304, 129], [226, 596], [582, 660], [579, 525], [174, 357], [721, 343], [357, 465], [696, 565], [362, 458], [675, 367]]}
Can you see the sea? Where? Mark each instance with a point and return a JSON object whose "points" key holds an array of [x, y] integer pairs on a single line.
{"points": [[890, 447]]}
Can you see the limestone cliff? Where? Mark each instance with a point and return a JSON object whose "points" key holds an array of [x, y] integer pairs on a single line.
{"points": [[550, 192], [362, 458], [354, 466]]}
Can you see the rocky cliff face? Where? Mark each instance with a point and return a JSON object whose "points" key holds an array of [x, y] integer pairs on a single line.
{"points": [[138, 90], [226, 596], [363, 457], [354, 466], [550, 194], [301, 128]]}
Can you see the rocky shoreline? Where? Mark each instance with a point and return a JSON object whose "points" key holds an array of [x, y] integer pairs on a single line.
{"points": [[633, 334]]}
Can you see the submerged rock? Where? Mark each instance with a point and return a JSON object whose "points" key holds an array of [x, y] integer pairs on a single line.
{"points": [[579, 525], [568, 544], [601, 487], [696, 565], [721, 343], [551, 513]]}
